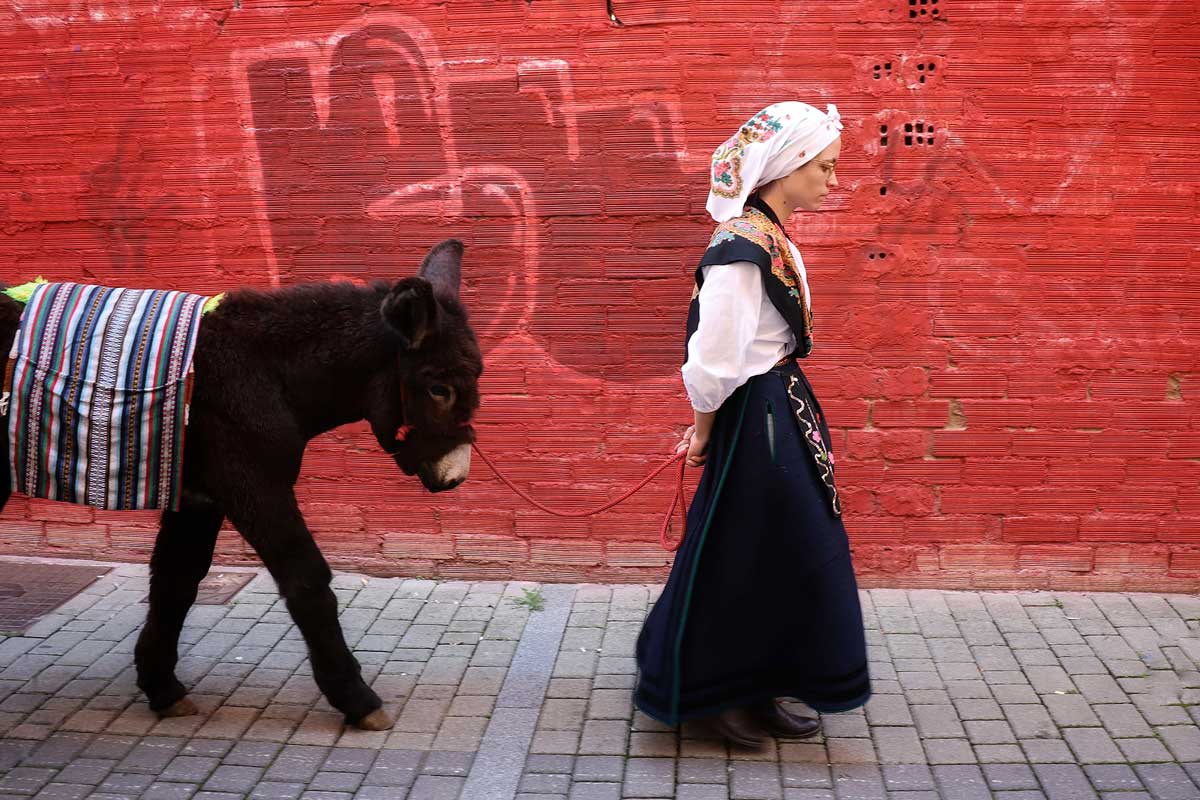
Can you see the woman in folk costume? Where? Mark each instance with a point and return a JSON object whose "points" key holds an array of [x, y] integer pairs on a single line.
{"points": [[762, 602]]}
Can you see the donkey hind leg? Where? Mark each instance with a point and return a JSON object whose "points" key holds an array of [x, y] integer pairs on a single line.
{"points": [[277, 532], [183, 553]]}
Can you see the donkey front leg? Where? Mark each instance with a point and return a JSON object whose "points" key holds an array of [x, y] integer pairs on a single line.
{"points": [[276, 530], [182, 556]]}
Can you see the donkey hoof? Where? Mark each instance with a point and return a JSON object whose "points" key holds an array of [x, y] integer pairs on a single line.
{"points": [[377, 720], [180, 708]]}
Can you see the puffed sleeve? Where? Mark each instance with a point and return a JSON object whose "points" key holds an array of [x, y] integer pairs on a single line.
{"points": [[730, 305]]}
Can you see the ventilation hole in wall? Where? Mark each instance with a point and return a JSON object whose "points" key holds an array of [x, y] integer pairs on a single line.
{"points": [[908, 127], [907, 140], [882, 191], [871, 256], [920, 127], [883, 255]]}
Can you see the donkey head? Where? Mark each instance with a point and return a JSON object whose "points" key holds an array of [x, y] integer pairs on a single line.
{"points": [[421, 412]]}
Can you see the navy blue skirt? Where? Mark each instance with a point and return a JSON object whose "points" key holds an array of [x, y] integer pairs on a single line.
{"points": [[761, 601]]}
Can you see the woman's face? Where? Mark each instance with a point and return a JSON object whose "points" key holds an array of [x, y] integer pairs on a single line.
{"points": [[807, 187]]}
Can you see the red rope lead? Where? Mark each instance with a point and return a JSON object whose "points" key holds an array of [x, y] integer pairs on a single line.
{"points": [[678, 499]]}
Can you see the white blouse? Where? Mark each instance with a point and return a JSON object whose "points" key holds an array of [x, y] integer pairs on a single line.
{"points": [[741, 334]]}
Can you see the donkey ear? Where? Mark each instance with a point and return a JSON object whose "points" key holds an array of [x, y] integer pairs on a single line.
{"points": [[443, 267], [411, 310]]}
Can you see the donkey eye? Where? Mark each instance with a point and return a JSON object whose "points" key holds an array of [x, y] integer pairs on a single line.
{"points": [[441, 391]]}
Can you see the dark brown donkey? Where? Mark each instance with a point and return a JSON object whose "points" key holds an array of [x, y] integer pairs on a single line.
{"points": [[273, 369]]}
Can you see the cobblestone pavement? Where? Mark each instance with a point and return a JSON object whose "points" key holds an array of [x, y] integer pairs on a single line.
{"points": [[978, 695]]}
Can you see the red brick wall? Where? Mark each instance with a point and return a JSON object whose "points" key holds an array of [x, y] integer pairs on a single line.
{"points": [[1006, 293]]}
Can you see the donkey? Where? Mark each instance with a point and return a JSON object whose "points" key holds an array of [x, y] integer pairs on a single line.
{"points": [[273, 369]]}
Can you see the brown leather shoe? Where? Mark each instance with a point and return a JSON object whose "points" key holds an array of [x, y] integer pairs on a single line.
{"points": [[776, 720], [738, 726]]}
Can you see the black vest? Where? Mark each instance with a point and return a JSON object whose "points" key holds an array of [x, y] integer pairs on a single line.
{"points": [[756, 236]]}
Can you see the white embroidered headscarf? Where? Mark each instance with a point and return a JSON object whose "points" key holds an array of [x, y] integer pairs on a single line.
{"points": [[773, 143]]}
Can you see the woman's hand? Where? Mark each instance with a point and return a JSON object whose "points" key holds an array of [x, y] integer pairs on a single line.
{"points": [[695, 446]]}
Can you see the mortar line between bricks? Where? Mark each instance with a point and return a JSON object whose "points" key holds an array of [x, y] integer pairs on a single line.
{"points": [[496, 771]]}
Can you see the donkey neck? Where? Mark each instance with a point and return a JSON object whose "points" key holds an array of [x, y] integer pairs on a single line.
{"points": [[324, 345]]}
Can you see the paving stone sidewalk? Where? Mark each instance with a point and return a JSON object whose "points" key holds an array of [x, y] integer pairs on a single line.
{"points": [[1013, 696]]}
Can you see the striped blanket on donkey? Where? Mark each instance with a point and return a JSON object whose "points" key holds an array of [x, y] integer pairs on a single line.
{"points": [[96, 391]]}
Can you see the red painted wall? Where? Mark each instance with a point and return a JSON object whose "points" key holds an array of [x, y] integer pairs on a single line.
{"points": [[1006, 287]]}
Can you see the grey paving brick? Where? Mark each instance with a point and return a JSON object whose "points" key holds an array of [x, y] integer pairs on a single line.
{"points": [[228, 778], [1030, 721], [1144, 750], [805, 775], [57, 790], [1015, 694], [964, 781], [1113, 777], [1047, 751], [1122, 720], [163, 790], [349, 759], [550, 764], [1182, 740], [1064, 782], [899, 745], [858, 782], [703, 770], [127, 784], [189, 769], [252, 754], [844, 725], [755, 780], [1047, 680], [810, 794], [989, 732], [57, 751], [939, 721], [908, 777], [949, 751], [335, 782], [595, 791], [274, 790], [1100, 689], [1071, 710], [151, 755], [436, 787], [888, 710], [1167, 781], [1006, 777], [1092, 745], [978, 709], [26, 780], [296, 763], [702, 791], [999, 753]]}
